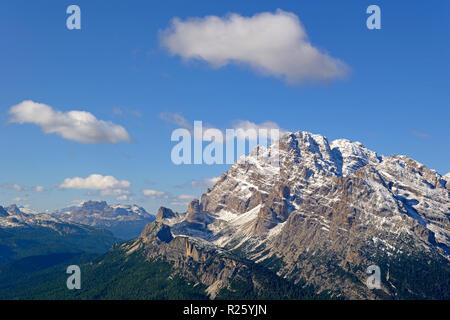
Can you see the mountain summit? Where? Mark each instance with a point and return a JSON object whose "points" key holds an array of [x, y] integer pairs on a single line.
{"points": [[326, 213]]}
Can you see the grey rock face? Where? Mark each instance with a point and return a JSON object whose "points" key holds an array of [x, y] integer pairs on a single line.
{"points": [[192, 259], [196, 217]]}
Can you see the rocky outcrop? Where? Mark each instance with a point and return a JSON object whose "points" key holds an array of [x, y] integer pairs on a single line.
{"points": [[192, 259], [196, 217], [164, 213]]}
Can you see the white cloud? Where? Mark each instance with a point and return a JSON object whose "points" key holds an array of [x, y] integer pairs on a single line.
{"points": [[187, 197], [245, 125], [14, 186], [39, 188], [117, 111], [18, 187], [123, 198], [420, 134], [80, 126], [176, 118], [114, 192], [78, 203], [275, 44], [204, 183], [154, 193], [107, 185], [19, 199], [182, 200]]}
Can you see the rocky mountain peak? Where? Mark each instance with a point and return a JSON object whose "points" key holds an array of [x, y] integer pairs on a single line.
{"points": [[3, 212], [156, 231], [194, 206], [164, 213], [351, 156], [14, 210], [94, 205], [196, 216]]}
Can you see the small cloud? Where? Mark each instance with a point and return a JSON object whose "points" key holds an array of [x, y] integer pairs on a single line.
{"points": [[187, 197], [204, 183], [420, 134], [117, 111], [77, 203], [13, 187], [136, 113], [18, 187], [114, 192], [107, 185], [123, 198], [175, 118], [19, 199], [242, 127], [80, 126], [39, 189], [274, 44], [182, 200], [153, 194]]}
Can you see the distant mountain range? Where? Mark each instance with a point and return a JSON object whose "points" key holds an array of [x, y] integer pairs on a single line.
{"points": [[300, 221], [29, 234], [94, 226], [124, 221]]}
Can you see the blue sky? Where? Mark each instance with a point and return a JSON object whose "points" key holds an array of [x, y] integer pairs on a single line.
{"points": [[394, 99]]}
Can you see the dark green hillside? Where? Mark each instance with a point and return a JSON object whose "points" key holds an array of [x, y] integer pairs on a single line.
{"points": [[116, 275], [16, 243]]}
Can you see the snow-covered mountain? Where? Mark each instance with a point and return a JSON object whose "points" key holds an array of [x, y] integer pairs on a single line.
{"points": [[125, 221], [323, 212], [13, 216]]}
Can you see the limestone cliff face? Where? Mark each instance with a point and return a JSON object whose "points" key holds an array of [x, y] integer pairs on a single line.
{"points": [[193, 259], [197, 216]]}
